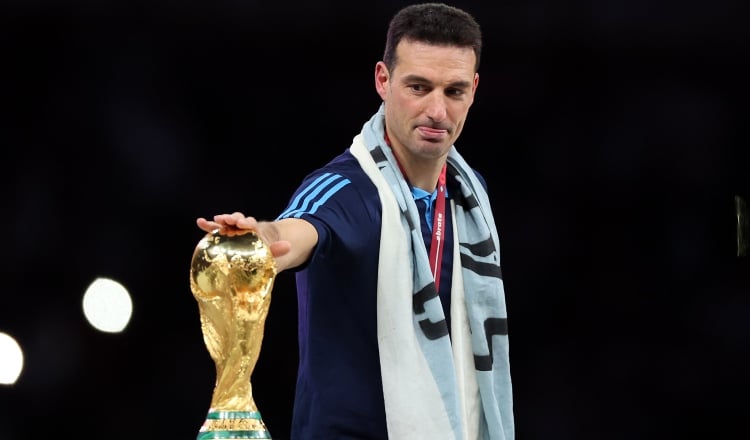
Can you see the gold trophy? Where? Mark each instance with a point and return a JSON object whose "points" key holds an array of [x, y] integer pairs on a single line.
{"points": [[231, 277]]}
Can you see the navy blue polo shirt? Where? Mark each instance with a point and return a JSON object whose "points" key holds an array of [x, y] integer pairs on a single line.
{"points": [[339, 393]]}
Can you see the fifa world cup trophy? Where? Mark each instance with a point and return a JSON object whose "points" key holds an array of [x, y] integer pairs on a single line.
{"points": [[231, 277]]}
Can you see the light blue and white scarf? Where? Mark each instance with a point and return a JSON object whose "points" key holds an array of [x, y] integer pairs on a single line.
{"points": [[438, 387]]}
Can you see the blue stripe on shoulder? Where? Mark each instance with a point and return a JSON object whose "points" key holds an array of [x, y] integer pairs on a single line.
{"points": [[310, 199]]}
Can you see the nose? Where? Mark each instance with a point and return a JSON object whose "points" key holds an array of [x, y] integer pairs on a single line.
{"points": [[436, 107]]}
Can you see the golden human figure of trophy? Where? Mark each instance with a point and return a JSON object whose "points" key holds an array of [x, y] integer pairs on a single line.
{"points": [[231, 277]]}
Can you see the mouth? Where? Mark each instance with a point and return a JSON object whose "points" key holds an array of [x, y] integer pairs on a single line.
{"points": [[431, 133]]}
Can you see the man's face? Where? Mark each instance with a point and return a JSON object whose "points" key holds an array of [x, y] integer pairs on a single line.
{"points": [[427, 97]]}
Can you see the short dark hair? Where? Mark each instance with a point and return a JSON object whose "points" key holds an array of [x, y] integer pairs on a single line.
{"points": [[432, 23]]}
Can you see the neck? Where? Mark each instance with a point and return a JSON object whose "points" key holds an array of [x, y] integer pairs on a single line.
{"points": [[421, 174]]}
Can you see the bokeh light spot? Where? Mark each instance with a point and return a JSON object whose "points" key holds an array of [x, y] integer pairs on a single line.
{"points": [[11, 359], [107, 305]]}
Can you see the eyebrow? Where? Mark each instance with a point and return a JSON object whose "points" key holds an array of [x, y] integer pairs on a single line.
{"points": [[420, 79]]}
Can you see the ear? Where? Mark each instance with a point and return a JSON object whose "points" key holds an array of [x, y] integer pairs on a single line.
{"points": [[476, 83], [382, 78]]}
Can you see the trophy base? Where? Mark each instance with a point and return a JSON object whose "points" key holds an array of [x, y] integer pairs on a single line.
{"points": [[233, 425]]}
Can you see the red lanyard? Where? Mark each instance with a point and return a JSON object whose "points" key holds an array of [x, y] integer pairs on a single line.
{"points": [[438, 231], [438, 223]]}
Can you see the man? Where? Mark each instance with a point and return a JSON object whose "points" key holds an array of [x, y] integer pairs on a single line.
{"points": [[402, 321]]}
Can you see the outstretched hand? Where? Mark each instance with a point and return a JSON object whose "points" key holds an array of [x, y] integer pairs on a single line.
{"points": [[237, 223]]}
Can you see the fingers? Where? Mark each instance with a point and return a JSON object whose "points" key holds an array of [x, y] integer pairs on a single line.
{"points": [[247, 223], [206, 225], [228, 219], [232, 219], [228, 223], [235, 219]]}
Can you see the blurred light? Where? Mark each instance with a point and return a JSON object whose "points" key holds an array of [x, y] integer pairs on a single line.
{"points": [[743, 226], [107, 305], [11, 359]]}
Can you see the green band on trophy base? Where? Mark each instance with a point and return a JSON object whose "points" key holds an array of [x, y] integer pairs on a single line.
{"points": [[233, 424], [219, 415], [233, 434]]}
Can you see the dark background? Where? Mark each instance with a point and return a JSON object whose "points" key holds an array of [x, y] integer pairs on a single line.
{"points": [[613, 136]]}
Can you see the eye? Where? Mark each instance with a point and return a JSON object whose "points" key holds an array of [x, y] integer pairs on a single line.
{"points": [[419, 88], [456, 93]]}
